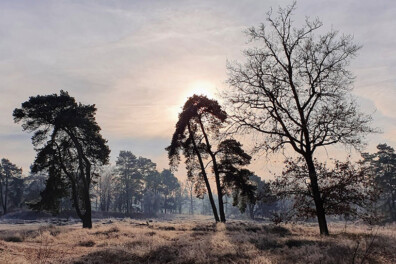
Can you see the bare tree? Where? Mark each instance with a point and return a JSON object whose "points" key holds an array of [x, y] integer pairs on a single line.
{"points": [[382, 166], [347, 189], [11, 184], [189, 185], [106, 187], [295, 90]]}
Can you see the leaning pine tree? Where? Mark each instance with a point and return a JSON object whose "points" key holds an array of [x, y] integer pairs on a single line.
{"points": [[199, 116], [69, 146], [197, 129], [294, 89]]}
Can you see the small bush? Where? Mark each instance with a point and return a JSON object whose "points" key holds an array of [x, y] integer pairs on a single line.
{"points": [[265, 243], [108, 232], [15, 238], [164, 254], [233, 228], [167, 228], [278, 230], [204, 228], [88, 243], [53, 230], [133, 244], [253, 229], [298, 243]]}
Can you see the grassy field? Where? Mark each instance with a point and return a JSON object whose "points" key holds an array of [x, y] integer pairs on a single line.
{"points": [[195, 241]]}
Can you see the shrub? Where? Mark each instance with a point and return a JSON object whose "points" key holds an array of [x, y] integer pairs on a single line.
{"points": [[265, 243], [13, 238], [88, 243]]}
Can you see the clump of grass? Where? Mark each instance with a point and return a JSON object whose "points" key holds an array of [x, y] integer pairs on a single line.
{"points": [[88, 243], [233, 228], [265, 243], [253, 229], [108, 231], [13, 238], [133, 244], [110, 256], [204, 227], [298, 243], [167, 228], [164, 254], [53, 230], [150, 234], [277, 230]]}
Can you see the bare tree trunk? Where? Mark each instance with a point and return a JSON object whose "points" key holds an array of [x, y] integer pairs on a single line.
{"points": [[165, 203], [251, 210], [217, 174], [87, 217], [1, 198], [320, 211], [6, 195], [191, 203], [212, 203]]}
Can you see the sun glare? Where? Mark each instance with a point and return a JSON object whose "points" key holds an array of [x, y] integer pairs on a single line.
{"points": [[201, 88], [197, 87]]}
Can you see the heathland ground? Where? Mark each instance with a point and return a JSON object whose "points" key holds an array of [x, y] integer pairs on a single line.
{"points": [[195, 240]]}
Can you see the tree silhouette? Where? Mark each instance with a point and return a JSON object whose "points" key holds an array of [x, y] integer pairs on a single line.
{"points": [[346, 189], [69, 146], [295, 90], [382, 165], [234, 177], [263, 199], [11, 184], [199, 124], [199, 117], [170, 185]]}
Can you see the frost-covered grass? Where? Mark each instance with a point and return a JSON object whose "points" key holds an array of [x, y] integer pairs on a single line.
{"points": [[196, 241]]}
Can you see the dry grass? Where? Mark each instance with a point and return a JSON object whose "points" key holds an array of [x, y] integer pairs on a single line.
{"points": [[196, 241]]}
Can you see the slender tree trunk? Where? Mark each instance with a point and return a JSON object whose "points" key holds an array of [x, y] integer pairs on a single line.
{"points": [[320, 211], [85, 174], [221, 203], [226, 205], [212, 203], [393, 209], [1, 198], [219, 189], [127, 194], [203, 206], [87, 217], [251, 211], [217, 174], [165, 203], [6, 194], [191, 203]]}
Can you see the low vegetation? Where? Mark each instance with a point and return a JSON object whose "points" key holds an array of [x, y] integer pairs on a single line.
{"points": [[196, 241]]}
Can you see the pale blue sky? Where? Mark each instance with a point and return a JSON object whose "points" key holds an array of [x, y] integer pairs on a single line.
{"points": [[139, 60]]}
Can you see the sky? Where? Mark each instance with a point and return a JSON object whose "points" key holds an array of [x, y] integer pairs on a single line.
{"points": [[138, 61]]}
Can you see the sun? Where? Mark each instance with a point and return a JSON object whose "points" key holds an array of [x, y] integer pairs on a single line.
{"points": [[201, 88]]}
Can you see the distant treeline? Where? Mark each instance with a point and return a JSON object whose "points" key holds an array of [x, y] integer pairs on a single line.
{"points": [[134, 186]]}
